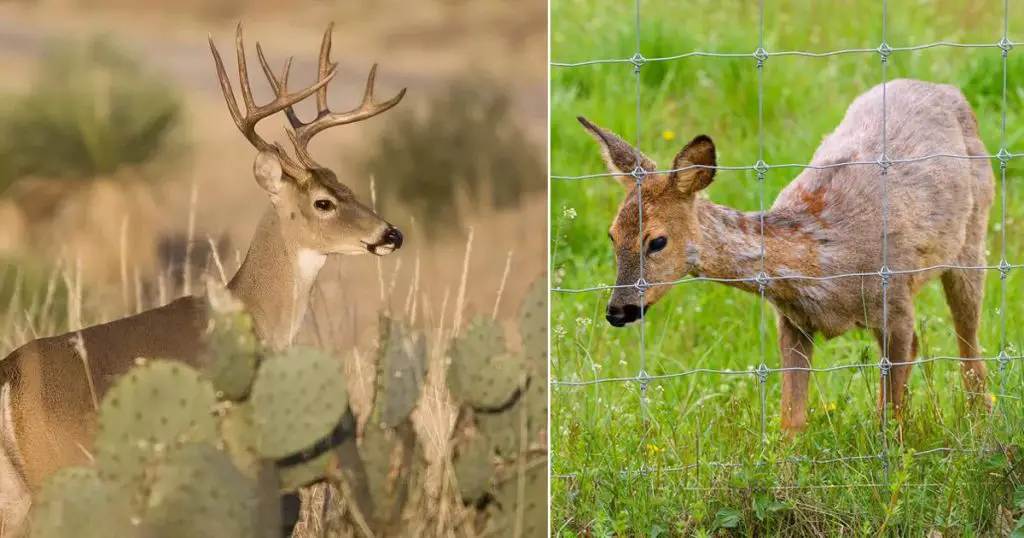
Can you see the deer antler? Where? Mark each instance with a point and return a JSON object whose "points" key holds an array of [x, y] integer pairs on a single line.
{"points": [[301, 132], [283, 101]]}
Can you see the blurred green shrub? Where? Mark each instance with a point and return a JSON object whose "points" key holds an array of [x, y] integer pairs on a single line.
{"points": [[467, 139], [91, 109]]}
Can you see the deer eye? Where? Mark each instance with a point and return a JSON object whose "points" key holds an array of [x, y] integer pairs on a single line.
{"points": [[323, 204], [657, 244]]}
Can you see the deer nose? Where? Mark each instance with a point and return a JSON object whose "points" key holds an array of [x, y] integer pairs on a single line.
{"points": [[619, 316], [393, 237]]}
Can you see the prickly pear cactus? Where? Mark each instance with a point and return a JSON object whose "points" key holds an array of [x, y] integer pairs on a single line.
{"points": [[533, 326], [482, 374], [177, 457], [474, 468], [401, 373], [233, 353], [238, 433], [156, 407], [198, 492], [74, 498], [390, 457], [297, 399], [507, 413], [521, 503], [206, 454]]}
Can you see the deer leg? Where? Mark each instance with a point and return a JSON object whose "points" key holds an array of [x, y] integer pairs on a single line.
{"points": [[902, 343], [796, 348], [964, 291]]}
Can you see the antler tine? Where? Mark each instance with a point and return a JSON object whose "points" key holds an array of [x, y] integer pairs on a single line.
{"points": [[280, 87], [246, 122], [325, 63], [368, 108], [302, 132]]}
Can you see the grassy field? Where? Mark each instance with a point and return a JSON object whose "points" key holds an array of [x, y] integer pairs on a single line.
{"points": [[698, 420]]}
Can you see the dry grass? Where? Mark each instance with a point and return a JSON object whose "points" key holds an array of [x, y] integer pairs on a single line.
{"points": [[435, 289]]}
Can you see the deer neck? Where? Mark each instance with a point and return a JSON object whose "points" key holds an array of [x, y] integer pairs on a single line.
{"points": [[275, 281], [731, 246]]}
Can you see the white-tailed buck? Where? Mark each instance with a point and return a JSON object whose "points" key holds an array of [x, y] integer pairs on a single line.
{"points": [[827, 221], [51, 386]]}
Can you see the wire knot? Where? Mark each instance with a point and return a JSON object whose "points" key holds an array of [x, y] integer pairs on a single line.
{"points": [[762, 281], [1006, 46], [1004, 269], [761, 56], [885, 365], [642, 286], [644, 380], [639, 173], [637, 60], [761, 168], [1004, 158], [885, 274], [885, 163], [762, 372], [884, 50], [1004, 360]]}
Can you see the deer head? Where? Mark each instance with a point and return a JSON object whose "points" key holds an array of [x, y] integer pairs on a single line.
{"points": [[670, 240], [317, 212]]}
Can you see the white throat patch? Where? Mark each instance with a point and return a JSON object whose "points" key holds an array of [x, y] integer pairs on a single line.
{"points": [[308, 264]]}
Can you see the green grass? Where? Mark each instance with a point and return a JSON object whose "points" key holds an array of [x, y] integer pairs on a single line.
{"points": [[597, 430]]}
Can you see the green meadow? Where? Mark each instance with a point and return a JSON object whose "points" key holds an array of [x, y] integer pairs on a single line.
{"points": [[700, 466]]}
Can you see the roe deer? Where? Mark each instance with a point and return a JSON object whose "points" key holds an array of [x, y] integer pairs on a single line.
{"points": [[827, 221], [50, 389]]}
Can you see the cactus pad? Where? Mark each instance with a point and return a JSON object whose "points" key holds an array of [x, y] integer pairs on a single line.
{"points": [[486, 381], [533, 326], [232, 351], [198, 492], [390, 457], [302, 474], [530, 509], [401, 373], [473, 470], [536, 401], [156, 406], [297, 399], [77, 498], [238, 432], [502, 431]]}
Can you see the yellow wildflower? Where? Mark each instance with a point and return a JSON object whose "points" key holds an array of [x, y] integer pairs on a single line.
{"points": [[668, 136]]}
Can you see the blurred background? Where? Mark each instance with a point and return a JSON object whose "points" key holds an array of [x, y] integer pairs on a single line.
{"points": [[123, 178]]}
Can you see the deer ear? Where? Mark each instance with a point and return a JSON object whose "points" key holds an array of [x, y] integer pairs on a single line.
{"points": [[700, 152], [268, 172], [619, 156]]}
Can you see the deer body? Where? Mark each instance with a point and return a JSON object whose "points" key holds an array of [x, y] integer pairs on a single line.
{"points": [[50, 388], [829, 221]]}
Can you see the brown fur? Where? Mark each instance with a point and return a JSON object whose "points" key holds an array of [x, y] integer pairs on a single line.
{"points": [[829, 222]]}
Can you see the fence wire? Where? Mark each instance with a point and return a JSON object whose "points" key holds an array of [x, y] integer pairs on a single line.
{"points": [[763, 280]]}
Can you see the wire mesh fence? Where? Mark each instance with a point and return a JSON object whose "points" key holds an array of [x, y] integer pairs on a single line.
{"points": [[762, 280]]}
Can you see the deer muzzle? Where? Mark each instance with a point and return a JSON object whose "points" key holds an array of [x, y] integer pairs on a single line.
{"points": [[390, 241]]}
